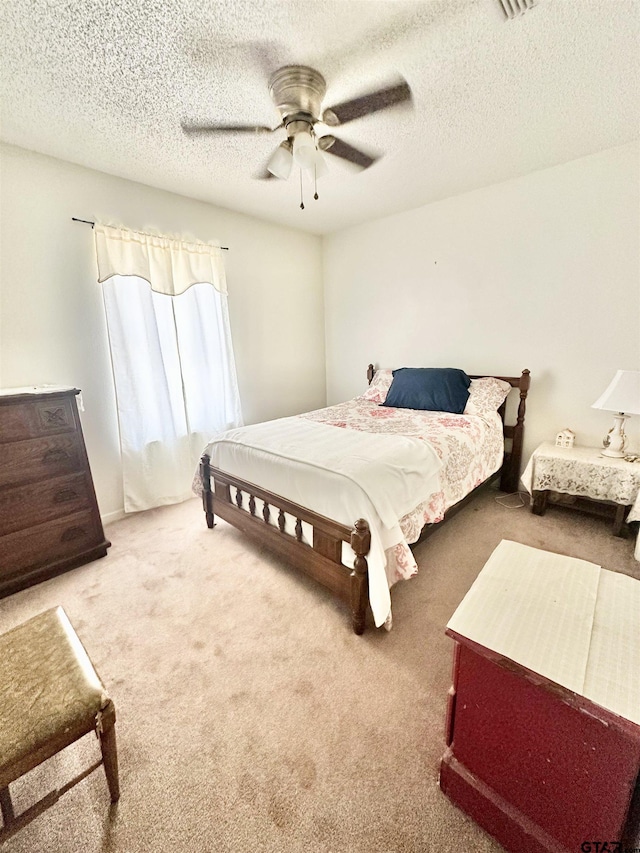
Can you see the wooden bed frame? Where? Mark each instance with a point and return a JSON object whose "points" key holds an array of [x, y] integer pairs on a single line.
{"points": [[322, 560]]}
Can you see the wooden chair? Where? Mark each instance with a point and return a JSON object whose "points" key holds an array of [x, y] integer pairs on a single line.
{"points": [[50, 696]]}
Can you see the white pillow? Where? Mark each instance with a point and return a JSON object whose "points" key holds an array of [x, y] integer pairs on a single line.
{"points": [[486, 395], [380, 384]]}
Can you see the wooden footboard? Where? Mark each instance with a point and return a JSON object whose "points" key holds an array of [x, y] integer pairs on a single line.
{"points": [[225, 495]]}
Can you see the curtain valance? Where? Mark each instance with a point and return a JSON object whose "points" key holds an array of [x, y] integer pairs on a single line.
{"points": [[170, 266]]}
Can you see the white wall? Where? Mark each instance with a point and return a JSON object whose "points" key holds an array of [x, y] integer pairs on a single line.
{"points": [[539, 272], [52, 327]]}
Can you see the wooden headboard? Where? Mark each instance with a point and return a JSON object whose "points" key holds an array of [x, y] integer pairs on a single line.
{"points": [[510, 471]]}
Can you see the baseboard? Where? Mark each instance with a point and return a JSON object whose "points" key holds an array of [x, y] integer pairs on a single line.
{"points": [[110, 517]]}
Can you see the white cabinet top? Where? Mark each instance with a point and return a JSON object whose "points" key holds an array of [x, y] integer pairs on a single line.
{"points": [[566, 619]]}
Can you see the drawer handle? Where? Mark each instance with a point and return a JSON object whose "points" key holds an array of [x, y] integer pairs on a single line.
{"points": [[64, 495], [72, 533], [56, 454], [54, 417]]}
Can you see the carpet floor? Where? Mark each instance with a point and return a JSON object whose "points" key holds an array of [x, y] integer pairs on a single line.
{"points": [[250, 717]]}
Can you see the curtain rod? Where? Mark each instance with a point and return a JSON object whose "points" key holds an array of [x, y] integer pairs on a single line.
{"points": [[89, 222]]}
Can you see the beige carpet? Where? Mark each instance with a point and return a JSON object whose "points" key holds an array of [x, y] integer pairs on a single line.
{"points": [[250, 717]]}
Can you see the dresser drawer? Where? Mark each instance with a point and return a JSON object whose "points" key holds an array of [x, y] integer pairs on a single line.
{"points": [[46, 543], [40, 458], [36, 503], [40, 417]]}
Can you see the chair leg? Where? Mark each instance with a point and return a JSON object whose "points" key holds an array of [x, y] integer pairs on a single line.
{"points": [[109, 751], [6, 806]]}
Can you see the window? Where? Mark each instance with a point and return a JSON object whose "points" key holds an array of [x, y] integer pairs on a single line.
{"points": [[172, 358]]}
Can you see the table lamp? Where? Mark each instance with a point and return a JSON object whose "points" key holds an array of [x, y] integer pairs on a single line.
{"points": [[622, 396]]}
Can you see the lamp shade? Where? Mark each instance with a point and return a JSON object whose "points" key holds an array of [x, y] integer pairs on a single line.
{"points": [[304, 150], [622, 394], [281, 161]]}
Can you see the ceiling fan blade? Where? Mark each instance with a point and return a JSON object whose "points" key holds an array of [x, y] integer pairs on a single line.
{"points": [[227, 128], [367, 104], [342, 149]]}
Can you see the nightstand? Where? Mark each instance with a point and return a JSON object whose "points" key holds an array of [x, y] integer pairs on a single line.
{"points": [[601, 485]]}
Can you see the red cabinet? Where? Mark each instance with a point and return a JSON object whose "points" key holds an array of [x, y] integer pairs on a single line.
{"points": [[540, 766]]}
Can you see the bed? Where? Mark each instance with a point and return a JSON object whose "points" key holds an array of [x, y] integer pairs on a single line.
{"points": [[343, 492]]}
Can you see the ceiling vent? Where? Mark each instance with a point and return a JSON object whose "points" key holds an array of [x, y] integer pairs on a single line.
{"points": [[515, 8]]}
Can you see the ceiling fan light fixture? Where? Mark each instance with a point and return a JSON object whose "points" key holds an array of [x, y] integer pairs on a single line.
{"points": [[304, 150], [281, 161], [307, 154], [297, 92]]}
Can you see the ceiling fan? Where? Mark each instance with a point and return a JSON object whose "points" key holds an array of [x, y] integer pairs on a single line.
{"points": [[297, 92]]}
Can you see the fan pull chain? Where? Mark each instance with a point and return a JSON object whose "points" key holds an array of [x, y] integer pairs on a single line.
{"points": [[301, 199], [315, 182]]}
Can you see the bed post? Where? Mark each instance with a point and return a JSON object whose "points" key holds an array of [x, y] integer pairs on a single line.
{"points": [[360, 543], [510, 477], [207, 494], [370, 373]]}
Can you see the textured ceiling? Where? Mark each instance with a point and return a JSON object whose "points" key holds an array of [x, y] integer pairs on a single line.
{"points": [[106, 84]]}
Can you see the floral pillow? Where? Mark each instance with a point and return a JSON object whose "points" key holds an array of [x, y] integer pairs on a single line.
{"points": [[486, 395], [379, 388]]}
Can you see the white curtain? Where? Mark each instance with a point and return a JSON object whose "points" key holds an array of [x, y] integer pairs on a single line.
{"points": [[173, 365]]}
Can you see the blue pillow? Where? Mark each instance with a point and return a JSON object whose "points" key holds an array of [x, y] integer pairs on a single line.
{"points": [[432, 389]]}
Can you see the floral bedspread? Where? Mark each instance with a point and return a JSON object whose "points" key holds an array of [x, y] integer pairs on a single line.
{"points": [[471, 448]]}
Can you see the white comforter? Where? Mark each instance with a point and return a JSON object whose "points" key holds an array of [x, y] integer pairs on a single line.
{"points": [[339, 473]]}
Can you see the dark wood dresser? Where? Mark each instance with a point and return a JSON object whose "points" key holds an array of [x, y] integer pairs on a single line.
{"points": [[49, 518]]}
